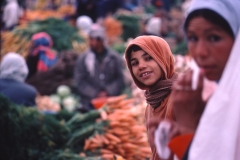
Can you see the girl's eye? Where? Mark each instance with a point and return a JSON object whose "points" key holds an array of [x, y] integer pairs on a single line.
{"points": [[214, 38], [148, 58], [133, 63], [192, 38]]}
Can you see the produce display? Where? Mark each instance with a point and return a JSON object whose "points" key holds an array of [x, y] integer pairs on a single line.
{"points": [[46, 104], [65, 37], [121, 139], [65, 98], [113, 28], [61, 12], [30, 134], [102, 134], [130, 24]]}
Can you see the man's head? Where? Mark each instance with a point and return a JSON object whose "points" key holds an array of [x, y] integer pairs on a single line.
{"points": [[97, 38]]}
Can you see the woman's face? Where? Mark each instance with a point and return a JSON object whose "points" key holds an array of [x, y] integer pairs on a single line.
{"points": [[145, 68], [210, 46]]}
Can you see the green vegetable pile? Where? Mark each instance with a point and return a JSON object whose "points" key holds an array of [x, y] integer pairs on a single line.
{"points": [[66, 98], [61, 32], [28, 134], [131, 26]]}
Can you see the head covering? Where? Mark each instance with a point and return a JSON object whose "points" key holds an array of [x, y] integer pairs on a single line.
{"points": [[228, 9], [42, 38], [13, 66], [220, 121], [97, 31], [154, 26], [84, 23], [42, 43], [158, 49]]}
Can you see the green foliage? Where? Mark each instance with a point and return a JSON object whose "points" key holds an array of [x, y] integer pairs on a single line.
{"points": [[61, 32], [131, 26], [28, 134], [119, 47]]}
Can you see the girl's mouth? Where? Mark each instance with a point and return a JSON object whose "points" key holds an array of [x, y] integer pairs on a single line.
{"points": [[145, 74]]}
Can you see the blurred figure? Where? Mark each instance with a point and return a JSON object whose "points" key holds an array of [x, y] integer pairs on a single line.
{"points": [[42, 57], [11, 14], [98, 72], [153, 26], [13, 72], [84, 24], [61, 73]]}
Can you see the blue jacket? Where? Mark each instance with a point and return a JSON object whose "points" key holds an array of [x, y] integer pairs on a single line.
{"points": [[18, 92]]}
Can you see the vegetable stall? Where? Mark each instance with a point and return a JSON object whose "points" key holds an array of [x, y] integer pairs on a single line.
{"points": [[104, 133]]}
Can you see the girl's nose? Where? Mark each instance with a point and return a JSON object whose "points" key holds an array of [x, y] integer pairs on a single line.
{"points": [[201, 49], [142, 65]]}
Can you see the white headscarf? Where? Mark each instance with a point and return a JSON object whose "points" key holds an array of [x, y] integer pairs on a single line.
{"points": [[11, 14], [218, 133], [13, 66], [228, 9], [153, 26], [84, 23]]}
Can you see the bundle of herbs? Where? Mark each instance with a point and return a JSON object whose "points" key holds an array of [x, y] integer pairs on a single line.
{"points": [[27, 133]]}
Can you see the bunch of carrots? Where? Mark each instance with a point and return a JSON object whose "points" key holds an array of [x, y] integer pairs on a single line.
{"points": [[125, 138]]}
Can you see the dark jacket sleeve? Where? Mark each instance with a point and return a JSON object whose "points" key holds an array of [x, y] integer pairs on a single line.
{"points": [[80, 77], [117, 86]]}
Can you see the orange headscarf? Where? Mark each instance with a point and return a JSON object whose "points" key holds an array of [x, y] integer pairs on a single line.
{"points": [[158, 49]]}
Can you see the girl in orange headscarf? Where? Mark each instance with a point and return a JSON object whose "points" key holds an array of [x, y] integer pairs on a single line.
{"points": [[151, 64]]}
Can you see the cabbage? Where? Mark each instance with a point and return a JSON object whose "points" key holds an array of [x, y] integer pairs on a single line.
{"points": [[63, 91], [69, 103], [55, 98]]}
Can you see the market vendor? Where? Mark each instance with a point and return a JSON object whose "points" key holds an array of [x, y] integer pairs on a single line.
{"points": [[98, 71], [11, 14], [13, 72]]}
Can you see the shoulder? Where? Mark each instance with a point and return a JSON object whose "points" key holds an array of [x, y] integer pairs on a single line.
{"points": [[30, 88], [113, 54], [82, 56]]}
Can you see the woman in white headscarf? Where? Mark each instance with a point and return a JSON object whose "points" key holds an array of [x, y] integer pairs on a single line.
{"points": [[211, 28], [13, 72]]}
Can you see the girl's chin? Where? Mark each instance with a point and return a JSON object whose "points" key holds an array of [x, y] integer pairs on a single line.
{"points": [[212, 77]]}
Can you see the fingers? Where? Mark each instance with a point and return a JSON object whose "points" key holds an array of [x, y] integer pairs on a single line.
{"points": [[175, 131], [187, 82], [200, 80], [184, 82], [152, 125]]}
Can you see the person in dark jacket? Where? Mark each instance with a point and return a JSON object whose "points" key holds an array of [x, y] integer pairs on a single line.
{"points": [[13, 72], [99, 71]]}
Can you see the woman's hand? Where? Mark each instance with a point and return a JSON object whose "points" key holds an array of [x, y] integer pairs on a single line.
{"points": [[153, 125], [171, 133], [188, 104]]}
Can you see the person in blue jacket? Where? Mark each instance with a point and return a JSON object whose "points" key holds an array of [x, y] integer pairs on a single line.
{"points": [[13, 72]]}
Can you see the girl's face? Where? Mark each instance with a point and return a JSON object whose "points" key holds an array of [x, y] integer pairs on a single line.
{"points": [[145, 68], [210, 46]]}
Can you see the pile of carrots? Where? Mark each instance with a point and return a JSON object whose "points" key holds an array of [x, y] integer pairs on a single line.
{"points": [[125, 137]]}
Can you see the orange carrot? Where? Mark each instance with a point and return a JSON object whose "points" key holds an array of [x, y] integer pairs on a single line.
{"points": [[86, 146], [104, 115], [111, 137], [116, 99], [105, 151], [107, 156]]}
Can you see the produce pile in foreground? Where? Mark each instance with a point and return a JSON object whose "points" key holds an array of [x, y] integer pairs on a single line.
{"points": [[112, 132], [125, 136]]}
